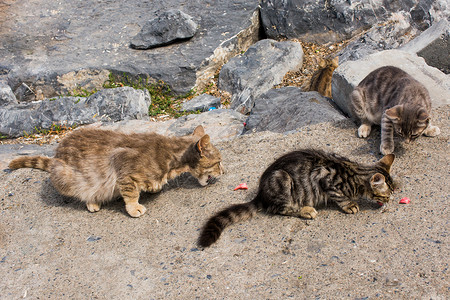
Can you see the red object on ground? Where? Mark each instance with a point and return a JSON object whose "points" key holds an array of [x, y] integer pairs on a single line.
{"points": [[405, 200], [242, 186]]}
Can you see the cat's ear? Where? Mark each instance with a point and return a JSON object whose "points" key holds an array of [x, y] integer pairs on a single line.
{"points": [[394, 113], [377, 180], [423, 116], [203, 144], [387, 161], [199, 131]]}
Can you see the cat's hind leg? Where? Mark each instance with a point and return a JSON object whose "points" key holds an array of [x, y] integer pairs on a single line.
{"points": [[358, 110], [129, 191]]}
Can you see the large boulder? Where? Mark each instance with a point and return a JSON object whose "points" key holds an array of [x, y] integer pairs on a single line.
{"points": [[348, 75], [330, 21], [6, 95], [288, 109], [109, 105], [170, 27], [260, 68], [39, 47]]}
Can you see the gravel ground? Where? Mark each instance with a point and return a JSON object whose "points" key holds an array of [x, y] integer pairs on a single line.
{"points": [[52, 247]]}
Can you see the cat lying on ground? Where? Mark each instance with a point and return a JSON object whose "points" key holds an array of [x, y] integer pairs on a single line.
{"points": [[96, 166]]}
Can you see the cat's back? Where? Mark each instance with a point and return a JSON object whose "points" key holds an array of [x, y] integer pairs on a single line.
{"points": [[388, 76]]}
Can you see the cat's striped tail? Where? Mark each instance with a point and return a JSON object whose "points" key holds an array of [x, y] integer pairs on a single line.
{"points": [[212, 230], [36, 162]]}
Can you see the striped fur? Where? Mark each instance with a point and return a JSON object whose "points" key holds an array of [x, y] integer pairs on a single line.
{"points": [[96, 166], [321, 79], [390, 97], [298, 182]]}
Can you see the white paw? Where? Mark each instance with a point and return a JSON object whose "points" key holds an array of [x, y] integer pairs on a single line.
{"points": [[432, 131], [93, 207], [135, 210], [364, 130]]}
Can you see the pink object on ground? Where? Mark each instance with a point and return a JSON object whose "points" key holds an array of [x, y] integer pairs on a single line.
{"points": [[242, 186], [405, 200]]}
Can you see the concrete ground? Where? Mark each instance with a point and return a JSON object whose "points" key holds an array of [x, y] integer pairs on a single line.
{"points": [[52, 247]]}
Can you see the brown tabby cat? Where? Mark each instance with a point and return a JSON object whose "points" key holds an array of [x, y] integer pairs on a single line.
{"points": [[321, 79], [393, 99], [299, 181], [97, 165]]}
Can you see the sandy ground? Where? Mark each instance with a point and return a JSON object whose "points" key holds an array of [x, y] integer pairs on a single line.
{"points": [[52, 247]]}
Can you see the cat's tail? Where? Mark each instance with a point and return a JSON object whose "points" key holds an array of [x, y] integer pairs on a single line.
{"points": [[36, 162], [212, 230]]}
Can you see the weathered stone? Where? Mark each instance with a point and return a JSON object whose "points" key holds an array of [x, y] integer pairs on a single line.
{"points": [[288, 109], [51, 42], [6, 95], [219, 124], [171, 26], [256, 71], [348, 75], [111, 105], [389, 35], [201, 103], [433, 45]]}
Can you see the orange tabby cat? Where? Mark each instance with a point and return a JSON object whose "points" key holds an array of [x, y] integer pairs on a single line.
{"points": [[97, 165]]}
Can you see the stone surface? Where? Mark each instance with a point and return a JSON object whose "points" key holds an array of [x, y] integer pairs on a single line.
{"points": [[348, 75], [261, 67], [289, 109], [330, 21], [201, 103], [43, 39], [6, 94], [169, 27], [110, 105], [433, 45]]}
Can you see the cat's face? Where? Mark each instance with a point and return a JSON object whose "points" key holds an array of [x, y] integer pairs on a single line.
{"points": [[383, 185], [408, 123], [209, 167]]}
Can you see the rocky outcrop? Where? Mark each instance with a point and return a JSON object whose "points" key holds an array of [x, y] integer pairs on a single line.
{"points": [[108, 105], [170, 27], [261, 67], [348, 75], [289, 109]]}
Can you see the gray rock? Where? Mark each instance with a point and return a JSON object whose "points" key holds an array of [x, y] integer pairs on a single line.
{"points": [[433, 45], [348, 75], [6, 95], [38, 48], [171, 26], [256, 71], [110, 105], [288, 109], [331, 21], [219, 124], [201, 103], [385, 36]]}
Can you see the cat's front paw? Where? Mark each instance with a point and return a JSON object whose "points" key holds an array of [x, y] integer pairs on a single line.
{"points": [[432, 131], [308, 212], [135, 210], [386, 148], [93, 207], [351, 208], [364, 130]]}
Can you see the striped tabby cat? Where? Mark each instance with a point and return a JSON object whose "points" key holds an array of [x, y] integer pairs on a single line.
{"points": [[393, 99], [321, 79], [97, 166], [299, 181]]}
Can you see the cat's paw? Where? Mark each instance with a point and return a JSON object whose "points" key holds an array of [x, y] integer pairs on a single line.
{"points": [[351, 208], [432, 131], [93, 207], [364, 130], [387, 148], [308, 212], [135, 210]]}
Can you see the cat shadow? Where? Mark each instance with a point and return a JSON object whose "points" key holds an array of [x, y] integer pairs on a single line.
{"points": [[52, 197]]}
